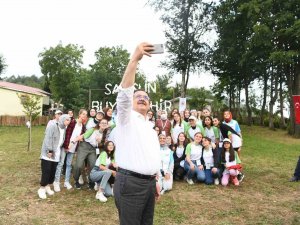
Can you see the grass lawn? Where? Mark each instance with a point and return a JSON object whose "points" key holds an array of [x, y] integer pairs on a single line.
{"points": [[264, 197]]}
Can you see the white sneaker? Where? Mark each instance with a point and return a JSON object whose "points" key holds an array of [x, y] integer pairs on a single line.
{"points": [[162, 192], [80, 181], [42, 193], [190, 181], [49, 191], [217, 182], [96, 187], [100, 196], [56, 186], [68, 185]]}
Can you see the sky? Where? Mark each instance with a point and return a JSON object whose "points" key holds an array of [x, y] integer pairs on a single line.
{"points": [[28, 27]]}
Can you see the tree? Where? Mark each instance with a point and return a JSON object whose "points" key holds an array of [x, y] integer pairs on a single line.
{"points": [[2, 64], [163, 90], [32, 108], [107, 72], [32, 81], [61, 66], [187, 22]]}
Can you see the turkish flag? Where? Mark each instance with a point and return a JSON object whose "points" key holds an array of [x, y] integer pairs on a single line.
{"points": [[296, 99]]}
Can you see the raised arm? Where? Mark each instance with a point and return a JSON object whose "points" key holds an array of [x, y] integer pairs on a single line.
{"points": [[126, 89], [129, 75]]}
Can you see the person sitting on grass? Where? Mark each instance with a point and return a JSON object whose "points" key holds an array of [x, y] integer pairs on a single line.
{"points": [[165, 178], [101, 173], [192, 164], [231, 163], [50, 153], [210, 161]]}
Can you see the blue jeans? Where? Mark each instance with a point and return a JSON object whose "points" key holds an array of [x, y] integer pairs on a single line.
{"points": [[210, 176], [60, 165], [101, 177], [200, 174]]}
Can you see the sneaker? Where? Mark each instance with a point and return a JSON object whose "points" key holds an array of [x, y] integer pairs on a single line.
{"points": [[56, 186], [217, 182], [81, 181], [162, 192], [91, 185], [294, 179], [77, 185], [100, 196], [42, 193], [240, 177], [190, 181], [68, 185], [49, 191], [235, 181], [96, 187]]}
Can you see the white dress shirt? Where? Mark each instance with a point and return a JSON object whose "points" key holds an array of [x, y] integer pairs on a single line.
{"points": [[137, 146]]}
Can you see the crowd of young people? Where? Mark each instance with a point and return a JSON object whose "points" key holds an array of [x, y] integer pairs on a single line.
{"points": [[194, 147]]}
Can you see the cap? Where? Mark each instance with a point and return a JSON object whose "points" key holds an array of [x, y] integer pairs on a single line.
{"points": [[58, 112], [226, 140], [193, 110], [192, 118], [100, 111]]}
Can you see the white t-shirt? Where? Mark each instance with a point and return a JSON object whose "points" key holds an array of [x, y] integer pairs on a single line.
{"points": [[208, 158], [76, 132]]}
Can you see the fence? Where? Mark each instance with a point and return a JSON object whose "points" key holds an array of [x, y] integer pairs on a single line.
{"points": [[21, 120]]}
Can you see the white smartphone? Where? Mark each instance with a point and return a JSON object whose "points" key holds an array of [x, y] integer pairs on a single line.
{"points": [[158, 49]]}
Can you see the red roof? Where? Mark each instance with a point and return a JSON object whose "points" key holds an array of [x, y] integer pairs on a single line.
{"points": [[23, 88]]}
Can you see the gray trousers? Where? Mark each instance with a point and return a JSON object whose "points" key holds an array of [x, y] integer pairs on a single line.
{"points": [[135, 199], [84, 151]]}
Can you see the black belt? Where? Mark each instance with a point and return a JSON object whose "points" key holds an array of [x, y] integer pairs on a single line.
{"points": [[135, 174]]}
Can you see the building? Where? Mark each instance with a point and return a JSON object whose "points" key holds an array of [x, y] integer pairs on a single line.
{"points": [[10, 102]]}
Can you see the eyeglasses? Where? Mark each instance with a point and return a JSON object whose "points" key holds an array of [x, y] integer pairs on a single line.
{"points": [[145, 97], [103, 123]]}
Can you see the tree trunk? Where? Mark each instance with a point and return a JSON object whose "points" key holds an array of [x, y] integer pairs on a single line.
{"points": [[239, 114], [273, 96], [182, 95], [263, 107], [230, 97], [29, 135], [249, 112], [291, 127], [281, 98]]}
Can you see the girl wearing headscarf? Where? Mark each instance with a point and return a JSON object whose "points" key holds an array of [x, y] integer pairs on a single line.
{"points": [[165, 178], [50, 153]]}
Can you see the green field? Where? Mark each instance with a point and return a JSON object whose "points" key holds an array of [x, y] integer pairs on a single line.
{"points": [[264, 197]]}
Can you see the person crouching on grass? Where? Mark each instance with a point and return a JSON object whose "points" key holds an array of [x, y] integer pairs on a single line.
{"points": [[165, 179], [50, 153], [102, 171], [231, 162], [210, 161]]}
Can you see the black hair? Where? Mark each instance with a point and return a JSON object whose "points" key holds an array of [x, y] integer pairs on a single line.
{"points": [[109, 154], [211, 121], [231, 153]]}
